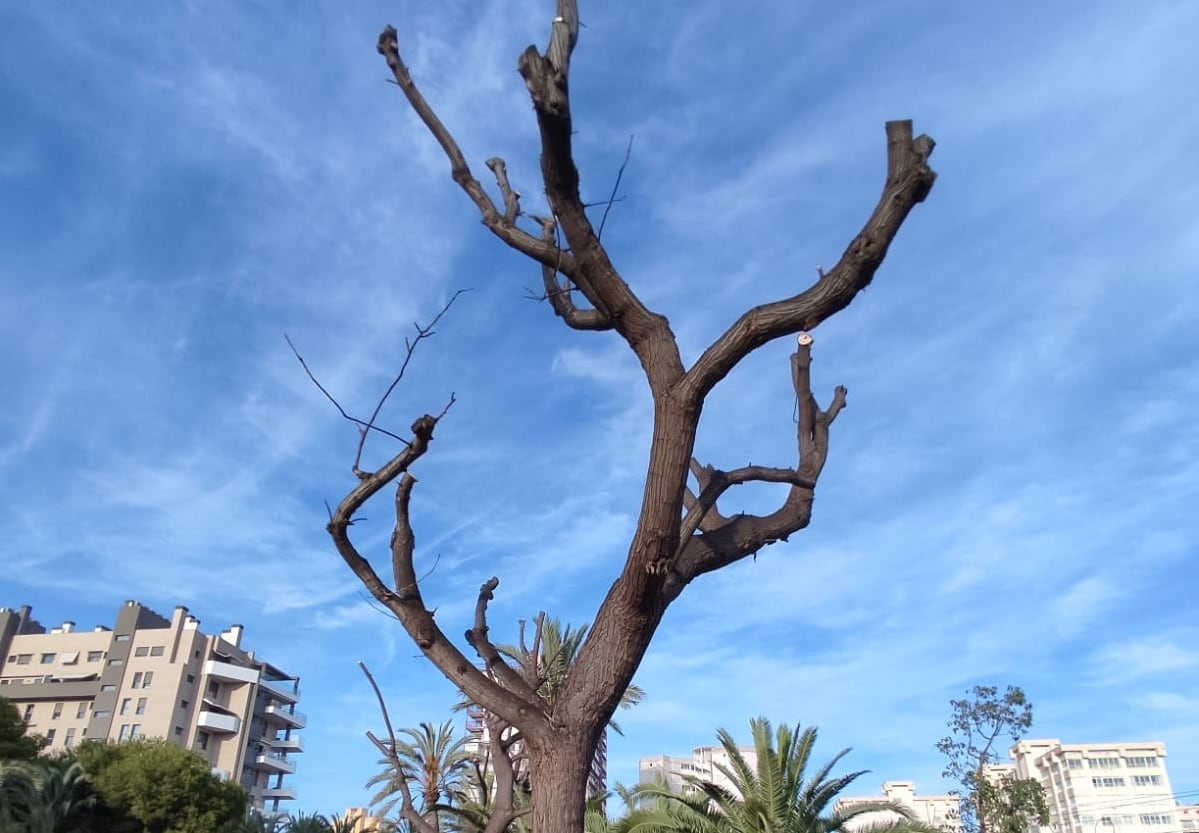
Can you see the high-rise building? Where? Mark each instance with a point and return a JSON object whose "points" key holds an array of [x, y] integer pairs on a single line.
{"points": [[704, 764], [149, 676], [1116, 787], [936, 810]]}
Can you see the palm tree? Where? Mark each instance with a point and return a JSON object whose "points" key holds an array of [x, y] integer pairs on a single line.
{"points": [[51, 795], [775, 796], [302, 823], [552, 657], [256, 822], [433, 761]]}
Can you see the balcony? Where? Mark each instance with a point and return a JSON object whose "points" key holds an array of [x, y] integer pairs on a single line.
{"points": [[291, 744], [229, 672], [278, 794], [275, 763], [218, 722], [277, 713], [284, 690]]}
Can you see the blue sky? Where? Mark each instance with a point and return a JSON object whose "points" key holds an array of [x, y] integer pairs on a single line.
{"points": [[1006, 496]]}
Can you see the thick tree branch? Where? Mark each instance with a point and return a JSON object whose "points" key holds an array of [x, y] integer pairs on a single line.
{"points": [[406, 602], [502, 225], [559, 294], [909, 180], [713, 547], [493, 662], [546, 77]]}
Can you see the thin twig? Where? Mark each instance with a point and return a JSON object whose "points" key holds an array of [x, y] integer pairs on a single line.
{"points": [[421, 334], [363, 427], [627, 152]]}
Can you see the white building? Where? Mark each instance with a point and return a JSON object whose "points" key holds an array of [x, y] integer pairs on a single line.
{"points": [[1114, 787], [936, 810], [703, 764]]}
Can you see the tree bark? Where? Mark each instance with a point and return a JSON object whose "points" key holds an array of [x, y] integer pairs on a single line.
{"points": [[559, 781]]}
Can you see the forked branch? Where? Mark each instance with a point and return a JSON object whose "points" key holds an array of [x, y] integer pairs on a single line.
{"points": [[909, 179], [709, 540]]}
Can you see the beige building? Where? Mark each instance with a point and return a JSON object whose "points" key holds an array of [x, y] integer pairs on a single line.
{"points": [[704, 764], [937, 810], [149, 676], [1113, 787]]}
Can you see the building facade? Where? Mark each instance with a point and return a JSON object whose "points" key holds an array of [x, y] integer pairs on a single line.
{"points": [[704, 764], [1113, 787], [939, 811], [150, 676]]}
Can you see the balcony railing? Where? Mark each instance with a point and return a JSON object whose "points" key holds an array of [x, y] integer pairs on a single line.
{"points": [[281, 714], [278, 794], [275, 763], [284, 690], [291, 744], [218, 722], [229, 672]]}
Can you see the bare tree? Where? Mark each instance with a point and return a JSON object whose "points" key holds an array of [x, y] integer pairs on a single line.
{"points": [[680, 532]]}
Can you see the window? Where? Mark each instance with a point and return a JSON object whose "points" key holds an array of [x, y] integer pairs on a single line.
{"points": [[183, 704], [116, 663], [95, 656], [146, 682], [141, 706], [1141, 761], [57, 711], [1107, 781], [1103, 763], [124, 736], [202, 740], [214, 688], [102, 713], [141, 652], [156, 650], [81, 711], [28, 712], [1146, 780], [24, 659], [135, 731], [1156, 818], [1188, 824], [1106, 821], [178, 731], [191, 678], [47, 659], [108, 687], [69, 740], [125, 704], [50, 737], [1087, 820], [122, 637]]}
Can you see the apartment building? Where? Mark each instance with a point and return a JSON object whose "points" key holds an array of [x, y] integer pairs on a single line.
{"points": [[150, 676], [704, 764], [1116, 787], [937, 810]]}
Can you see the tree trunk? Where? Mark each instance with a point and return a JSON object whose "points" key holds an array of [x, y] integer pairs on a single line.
{"points": [[559, 781]]}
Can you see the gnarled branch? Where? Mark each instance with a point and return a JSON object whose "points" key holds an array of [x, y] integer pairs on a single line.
{"points": [[493, 662], [909, 179]]}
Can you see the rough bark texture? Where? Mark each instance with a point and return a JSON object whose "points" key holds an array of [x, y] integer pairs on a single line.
{"points": [[680, 533]]}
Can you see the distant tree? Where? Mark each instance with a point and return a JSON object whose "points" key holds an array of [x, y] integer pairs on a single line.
{"points": [[54, 796], [992, 800], [776, 795], [154, 786], [680, 532], [423, 770], [16, 744]]}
